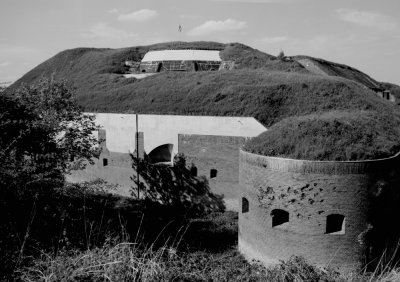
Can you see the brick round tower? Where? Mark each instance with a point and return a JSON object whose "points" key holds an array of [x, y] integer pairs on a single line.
{"points": [[330, 212]]}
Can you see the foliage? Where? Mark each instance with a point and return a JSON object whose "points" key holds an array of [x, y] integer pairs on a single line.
{"points": [[281, 55], [94, 237], [56, 219], [175, 187], [127, 262], [298, 269], [42, 130]]}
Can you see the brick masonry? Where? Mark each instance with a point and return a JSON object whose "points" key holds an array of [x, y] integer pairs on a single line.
{"points": [[208, 152], [310, 191]]}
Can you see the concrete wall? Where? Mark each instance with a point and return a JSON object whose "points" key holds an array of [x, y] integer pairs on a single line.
{"points": [[164, 129], [208, 152], [205, 140], [310, 191], [119, 159], [160, 66]]}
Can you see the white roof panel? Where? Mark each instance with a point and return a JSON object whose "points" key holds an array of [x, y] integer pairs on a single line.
{"points": [[182, 55]]}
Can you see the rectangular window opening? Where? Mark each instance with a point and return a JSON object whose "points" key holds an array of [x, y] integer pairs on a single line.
{"points": [[245, 205], [335, 224]]}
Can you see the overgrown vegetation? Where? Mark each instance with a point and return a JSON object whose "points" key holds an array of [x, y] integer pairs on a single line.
{"points": [[42, 129], [126, 262], [333, 135], [175, 187]]}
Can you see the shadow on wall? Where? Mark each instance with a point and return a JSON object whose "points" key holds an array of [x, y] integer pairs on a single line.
{"points": [[175, 186], [383, 233], [162, 153]]}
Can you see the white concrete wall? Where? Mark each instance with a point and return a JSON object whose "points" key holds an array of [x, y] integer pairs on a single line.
{"points": [[162, 129], [182, 55]]}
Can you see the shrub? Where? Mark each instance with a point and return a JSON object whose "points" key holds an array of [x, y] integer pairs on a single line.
{"points": [[175, 187], [281, 55]]}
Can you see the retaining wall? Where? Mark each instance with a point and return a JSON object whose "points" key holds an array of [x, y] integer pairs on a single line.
{"points": [[221, 153], [365, 193]]}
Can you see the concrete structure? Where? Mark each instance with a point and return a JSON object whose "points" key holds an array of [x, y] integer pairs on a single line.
{"points": [[180, 60], [386, 94], [340, 214], [211, 143]]}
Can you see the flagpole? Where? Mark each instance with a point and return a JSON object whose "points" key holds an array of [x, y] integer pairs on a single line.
{"points": [[180, 31], [137, 157]]}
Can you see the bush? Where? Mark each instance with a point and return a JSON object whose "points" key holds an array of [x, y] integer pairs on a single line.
{"points": [[281, 55], [42, 129], [174, 187]]}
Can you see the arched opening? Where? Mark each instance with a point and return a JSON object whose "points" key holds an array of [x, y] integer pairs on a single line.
{"points": [[143, 70], [193, 171], [161, 154], [245, 205], [279, 217], [213, 173], [335, 224]]}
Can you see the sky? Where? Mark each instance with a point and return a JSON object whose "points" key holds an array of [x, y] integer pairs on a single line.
{"points": [[364, 34]]}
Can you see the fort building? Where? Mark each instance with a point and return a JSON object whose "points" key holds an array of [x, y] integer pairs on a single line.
{"points": [[333, 213], [211, 143]]}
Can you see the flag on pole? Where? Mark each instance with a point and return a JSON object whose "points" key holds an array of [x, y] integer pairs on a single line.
{"points": [[180, 28]]}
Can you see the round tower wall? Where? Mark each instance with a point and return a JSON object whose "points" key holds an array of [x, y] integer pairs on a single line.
{"points": [[319, 210]]}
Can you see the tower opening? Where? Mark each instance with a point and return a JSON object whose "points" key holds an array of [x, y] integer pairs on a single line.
{"points": [[335, 224], [279, 217], [245, 205]]}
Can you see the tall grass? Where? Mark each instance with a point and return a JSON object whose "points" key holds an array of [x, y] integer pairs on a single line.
{"points": [[126, 261]]}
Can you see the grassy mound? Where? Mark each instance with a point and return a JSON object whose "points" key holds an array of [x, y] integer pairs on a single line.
{"points": [[261, 86], [334, 69], [334, 135], [267, 96]]}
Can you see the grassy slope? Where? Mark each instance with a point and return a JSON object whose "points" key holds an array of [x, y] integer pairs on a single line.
{"points": [[261, 86], [332, 135], [335, 69]]}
